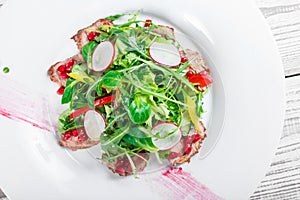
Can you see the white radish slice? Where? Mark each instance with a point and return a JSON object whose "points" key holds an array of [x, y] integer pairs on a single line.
{"points": [[163, 129], [94, 124], [165, 54], [103, 56]]}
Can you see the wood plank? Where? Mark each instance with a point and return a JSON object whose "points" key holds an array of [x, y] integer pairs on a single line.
{"points": [[282, 181], [284, 20]]}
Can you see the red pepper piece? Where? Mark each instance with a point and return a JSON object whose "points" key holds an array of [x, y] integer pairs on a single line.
{"points": [[104, 100], [189, 73], [197, 137], [97, 103], [202, 78]]}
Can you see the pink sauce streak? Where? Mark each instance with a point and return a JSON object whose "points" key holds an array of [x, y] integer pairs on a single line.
{"points": [[176, 184], [19, 104]]}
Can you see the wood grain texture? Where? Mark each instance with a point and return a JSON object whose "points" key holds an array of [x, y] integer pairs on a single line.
{"points": [[284, 21], [282, 181]]}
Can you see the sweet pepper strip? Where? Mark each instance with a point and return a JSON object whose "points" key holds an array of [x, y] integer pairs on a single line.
{"points": [[202, 78], [97, 103]]}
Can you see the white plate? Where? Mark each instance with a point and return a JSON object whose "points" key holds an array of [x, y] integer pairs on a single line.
{"points": [[248, 93]]}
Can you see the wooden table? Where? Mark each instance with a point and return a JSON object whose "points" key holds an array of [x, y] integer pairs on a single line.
{"points": [[282, 181]]}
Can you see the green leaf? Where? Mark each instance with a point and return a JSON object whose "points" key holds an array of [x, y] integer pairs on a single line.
{"points": [[65, 124], [143, 143], [99, 89], [69, 90], [136, 132], [114, 17], [111, 79], [199, 105], [87, 50], [139, 110], [133, 18]]}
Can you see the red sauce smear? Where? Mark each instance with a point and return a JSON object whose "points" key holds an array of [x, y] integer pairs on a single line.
{"points": [[19, 104], [176, 184]]}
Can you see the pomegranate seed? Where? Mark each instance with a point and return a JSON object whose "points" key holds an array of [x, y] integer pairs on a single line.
{"points": [[69, 65], [197, 137], [67, 135], [120, 170], [189, 73], [148, 23], [64, 75], [184, 59], [82, 138], [92, 35], [60, 90], [74, 132], [173, 155], [61, 68], [188, 149], [188, 140]]}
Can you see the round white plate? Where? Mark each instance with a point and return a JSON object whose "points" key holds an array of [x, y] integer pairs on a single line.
{"points": [[248, 97]]}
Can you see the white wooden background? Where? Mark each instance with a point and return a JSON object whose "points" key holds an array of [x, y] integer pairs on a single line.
{"points": [[282, 181]]}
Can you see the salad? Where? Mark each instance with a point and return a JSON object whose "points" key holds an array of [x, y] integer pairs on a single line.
{"points": [[133, 90]]}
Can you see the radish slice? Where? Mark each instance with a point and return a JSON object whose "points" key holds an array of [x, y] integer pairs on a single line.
{"points": [[164, 54], [103, 56], [163, 129], [94, 124]]}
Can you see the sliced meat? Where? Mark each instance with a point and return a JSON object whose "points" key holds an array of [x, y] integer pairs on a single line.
{"points": [[54, 74], [78, 142], [179, 149], [164, 31], [196, 59], [81, 37], [122, 165]]}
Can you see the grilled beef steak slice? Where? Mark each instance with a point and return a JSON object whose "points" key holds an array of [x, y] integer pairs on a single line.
{"points": [[164, 31], [81, 37], [122, 165], [82, 141], [186, 147], [55, 75]]}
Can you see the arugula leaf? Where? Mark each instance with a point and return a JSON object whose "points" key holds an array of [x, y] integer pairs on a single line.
{"points": [[114, 17], [111, 79], [139, 110], [65, 124], [143, 143]]}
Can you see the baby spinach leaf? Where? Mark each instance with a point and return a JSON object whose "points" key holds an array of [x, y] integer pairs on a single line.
{"points": [[139, 110], [111, 79]]}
